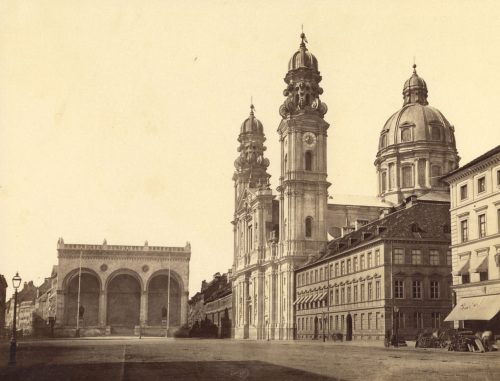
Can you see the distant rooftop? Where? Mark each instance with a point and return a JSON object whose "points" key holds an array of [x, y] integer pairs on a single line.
{"points": [[357, 200]]}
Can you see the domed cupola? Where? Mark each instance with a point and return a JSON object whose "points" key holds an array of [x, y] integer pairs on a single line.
{"points": [[415, 89], [251, 165], [251, 125], [416, 147], [303, 88], [303, 58]]}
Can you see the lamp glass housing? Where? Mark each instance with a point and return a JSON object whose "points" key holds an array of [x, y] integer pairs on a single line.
{"points": [[16, 281]]}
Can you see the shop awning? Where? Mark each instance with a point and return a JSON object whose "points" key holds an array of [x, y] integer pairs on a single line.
{"points": [[299, 300], [307, 299], [322, 296], [475, 308], [464, 268], [482, 265]]}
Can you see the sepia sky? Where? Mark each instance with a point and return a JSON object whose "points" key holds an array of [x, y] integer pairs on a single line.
{"points": [[119, 119]]}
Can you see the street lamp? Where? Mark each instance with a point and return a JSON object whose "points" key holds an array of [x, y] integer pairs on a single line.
{"points": [[396, 326], [267, 323], [16, 282], [323, 318]]}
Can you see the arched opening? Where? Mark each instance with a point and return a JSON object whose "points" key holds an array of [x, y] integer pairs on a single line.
{"points": [[383, 181], [124, 301], [285, 163], [89, 300], [309, 227], [308, 160], [407, 174], [160, 303], [435, 176], [348, 334]]}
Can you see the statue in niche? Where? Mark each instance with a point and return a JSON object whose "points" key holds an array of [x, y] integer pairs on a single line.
{"points": [[81, 311]]}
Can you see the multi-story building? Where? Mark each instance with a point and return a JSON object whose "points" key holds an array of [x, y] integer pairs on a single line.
{"points": [[475, 244], [393, 271], [25, 306], [401, 261], [3, 300], [213, 303]]}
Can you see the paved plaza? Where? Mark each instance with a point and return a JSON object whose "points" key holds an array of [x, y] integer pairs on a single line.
{"points": [[192, 359]]}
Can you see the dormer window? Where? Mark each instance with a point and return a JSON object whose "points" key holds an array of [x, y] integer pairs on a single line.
{"points": [[406, 134], [435, 133], [383, 141]]}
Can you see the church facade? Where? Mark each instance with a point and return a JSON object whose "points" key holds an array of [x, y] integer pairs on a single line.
{"points": [[121, 289], [272, 237], [275, 235]]}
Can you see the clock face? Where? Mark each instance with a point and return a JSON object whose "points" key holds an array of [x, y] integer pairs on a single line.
{"points": [[309, 139]]}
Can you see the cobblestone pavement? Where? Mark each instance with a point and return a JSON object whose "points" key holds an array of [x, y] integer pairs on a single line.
{"points": [[192, 359]]}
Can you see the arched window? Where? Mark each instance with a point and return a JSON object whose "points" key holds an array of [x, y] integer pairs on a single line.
{"points": [[406, 135], [407, 173], [309, 227], [308, 160], [435, 175], [286, 162], [383, 181], [435, 133]]}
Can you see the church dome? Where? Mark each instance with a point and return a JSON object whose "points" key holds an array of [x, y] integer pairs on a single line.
{"points": [[251, 124], [302, 58], [416, 123], [416, 147]]}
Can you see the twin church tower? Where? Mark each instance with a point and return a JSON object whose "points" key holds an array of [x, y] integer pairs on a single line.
{"points": [[276, 234]]}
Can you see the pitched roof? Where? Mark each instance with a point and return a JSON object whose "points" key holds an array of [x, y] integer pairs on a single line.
{"points": [[419, 220], [477, 160]]}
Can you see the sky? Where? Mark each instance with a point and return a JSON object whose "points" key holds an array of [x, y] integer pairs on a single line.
{"points": [[119, 119]]}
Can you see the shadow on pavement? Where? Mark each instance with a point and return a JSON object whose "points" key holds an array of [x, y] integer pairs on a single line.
{"points": [[186, 370]]}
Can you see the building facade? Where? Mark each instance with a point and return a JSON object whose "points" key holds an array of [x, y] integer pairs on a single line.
{"points": [[273, 237], [122, 288], [391, 272], [3, 305], [475, 226]]}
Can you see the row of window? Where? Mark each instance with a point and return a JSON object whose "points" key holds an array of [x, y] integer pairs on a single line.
{"points": [[481, 227], [406, 135], [417, 289], [346, 294], [308, 161], [343, 267], [417, 257], [388, 178], [368, 321], [481, 186]]}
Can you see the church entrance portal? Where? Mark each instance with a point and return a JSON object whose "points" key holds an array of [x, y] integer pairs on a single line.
{"points": [[124, 298]]}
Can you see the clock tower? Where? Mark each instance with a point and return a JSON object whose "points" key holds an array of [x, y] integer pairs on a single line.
{"points": [[303, 188]]}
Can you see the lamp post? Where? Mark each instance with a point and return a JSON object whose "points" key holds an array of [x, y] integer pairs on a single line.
{"points": [[396, 326], [323, 318], [16, 282], [267, 323]]}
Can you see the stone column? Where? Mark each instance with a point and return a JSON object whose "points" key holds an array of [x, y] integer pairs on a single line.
{"points": [[415, 173], [427, 173], [102, 308]]}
